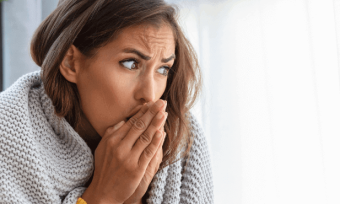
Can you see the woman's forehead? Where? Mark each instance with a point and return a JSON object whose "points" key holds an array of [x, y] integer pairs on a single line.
{"points": [[147, 37]]}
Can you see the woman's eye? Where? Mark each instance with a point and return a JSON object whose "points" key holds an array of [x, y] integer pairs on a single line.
{"points": [[133, 64], [164, 70], [130, 64]]}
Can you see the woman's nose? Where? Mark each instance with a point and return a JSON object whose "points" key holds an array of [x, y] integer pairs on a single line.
{"points": [[145, 90]]}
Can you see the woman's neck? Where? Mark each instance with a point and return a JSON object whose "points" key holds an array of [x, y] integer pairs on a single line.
{"points": [[88, 133]]}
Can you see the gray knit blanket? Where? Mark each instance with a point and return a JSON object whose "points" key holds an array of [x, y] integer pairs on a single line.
{"points": [[43, 159]]}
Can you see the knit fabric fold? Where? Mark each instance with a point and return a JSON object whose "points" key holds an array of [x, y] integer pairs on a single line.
{"points": [[44, 160]]}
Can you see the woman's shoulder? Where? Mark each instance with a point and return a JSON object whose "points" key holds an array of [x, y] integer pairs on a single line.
{"points": [[39, 151], [195, 126], [14, 101], [197, 182], [197, 141], [196, 130], [17, 93]]}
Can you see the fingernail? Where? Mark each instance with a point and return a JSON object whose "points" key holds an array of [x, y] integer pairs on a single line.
{"points": [[117, 126], [166, 103], [159, 115], [159, 134], [159, 103], [166, 115]]}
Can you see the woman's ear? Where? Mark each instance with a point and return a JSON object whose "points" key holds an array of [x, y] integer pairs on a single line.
{"points": [[68, 67]]}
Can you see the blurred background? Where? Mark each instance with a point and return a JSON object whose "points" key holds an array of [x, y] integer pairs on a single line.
{"points": [[270, 106]]}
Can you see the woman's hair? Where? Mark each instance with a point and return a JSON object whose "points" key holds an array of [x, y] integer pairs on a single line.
{"points": [[91, 24]]}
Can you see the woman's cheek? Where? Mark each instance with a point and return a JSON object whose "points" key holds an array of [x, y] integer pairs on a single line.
{"points": [[161, 89]]}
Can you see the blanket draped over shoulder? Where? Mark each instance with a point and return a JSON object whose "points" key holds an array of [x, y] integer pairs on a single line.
{"points": [[43, 159]]}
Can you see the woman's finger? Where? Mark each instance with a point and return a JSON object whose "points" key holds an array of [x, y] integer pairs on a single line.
{"points": [[122, 127], [116, 127], [147, 122], [134, 118], [162, 126], [147, 136], [150, 151], [155, 161]]}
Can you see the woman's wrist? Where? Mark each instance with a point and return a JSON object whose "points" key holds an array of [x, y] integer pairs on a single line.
{"points": [[88, 196], [91, 197]]}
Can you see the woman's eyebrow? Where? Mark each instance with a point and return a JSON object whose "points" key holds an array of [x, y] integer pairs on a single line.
{"points": [[145, 57], [168, 59], [140, 54]]}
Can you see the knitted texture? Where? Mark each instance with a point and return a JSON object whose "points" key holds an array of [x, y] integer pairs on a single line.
{"points": [[43, 160]]}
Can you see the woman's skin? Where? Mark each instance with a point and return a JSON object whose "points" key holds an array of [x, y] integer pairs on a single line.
{"points": [[113, 85]]}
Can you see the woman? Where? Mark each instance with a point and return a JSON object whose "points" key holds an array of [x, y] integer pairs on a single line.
{"points": [[107, 119]]}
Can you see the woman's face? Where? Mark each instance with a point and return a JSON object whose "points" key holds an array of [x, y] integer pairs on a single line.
{"points": [[125, 73]]}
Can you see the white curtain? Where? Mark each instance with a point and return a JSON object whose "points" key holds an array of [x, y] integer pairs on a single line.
{"points": [[271, 101], [20, 19]]}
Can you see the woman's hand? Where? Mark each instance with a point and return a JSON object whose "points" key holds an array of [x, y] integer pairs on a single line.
{"points": [[123, 156], [136, 197]]}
